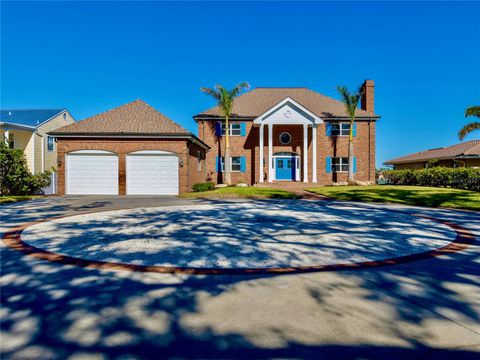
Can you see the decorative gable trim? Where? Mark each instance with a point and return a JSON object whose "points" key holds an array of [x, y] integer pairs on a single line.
{"points": [[288, 111]]}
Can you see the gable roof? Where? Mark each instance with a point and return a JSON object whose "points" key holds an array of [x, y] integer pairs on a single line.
{"points": [[468, 148], [259, 100], [30, 118], [136, 117]]}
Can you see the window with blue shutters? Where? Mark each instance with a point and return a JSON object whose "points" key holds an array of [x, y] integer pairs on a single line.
{"points": [[339, 164], [237, 164]]}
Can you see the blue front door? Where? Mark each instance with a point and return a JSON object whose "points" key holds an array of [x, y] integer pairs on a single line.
{"points": [[285, 168]]}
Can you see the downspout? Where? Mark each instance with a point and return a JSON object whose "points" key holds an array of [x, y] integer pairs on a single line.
{"points": [[369, 149], [43, 153], [188, 166]]}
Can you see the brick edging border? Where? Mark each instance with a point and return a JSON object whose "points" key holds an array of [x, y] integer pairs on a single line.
{"points": [[13, 240]]}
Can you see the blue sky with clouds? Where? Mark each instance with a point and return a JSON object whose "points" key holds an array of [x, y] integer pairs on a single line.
{"points": [[92, 56]]}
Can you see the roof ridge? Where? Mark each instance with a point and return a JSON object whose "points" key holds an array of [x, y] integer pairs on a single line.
{"points": [[162, 114], [112, 109]]}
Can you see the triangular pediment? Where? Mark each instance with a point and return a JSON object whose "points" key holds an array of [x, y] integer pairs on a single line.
{"points": [[289, 112]]}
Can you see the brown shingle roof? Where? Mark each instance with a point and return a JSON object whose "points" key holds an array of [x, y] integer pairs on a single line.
{"points": [[257, 101], [136, 117], [468, 148]]}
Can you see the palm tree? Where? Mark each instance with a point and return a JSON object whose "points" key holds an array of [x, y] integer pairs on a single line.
{"points": [[350, 100], [467, 129], [225, 99]]}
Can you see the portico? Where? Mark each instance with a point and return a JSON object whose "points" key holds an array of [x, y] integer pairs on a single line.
{"points": [[288, 112]]}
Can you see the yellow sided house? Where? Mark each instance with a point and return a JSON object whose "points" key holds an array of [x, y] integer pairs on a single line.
{"points": [[27, 130]]}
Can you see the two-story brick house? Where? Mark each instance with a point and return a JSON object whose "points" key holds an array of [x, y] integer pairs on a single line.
{"points": [[290, 135]]}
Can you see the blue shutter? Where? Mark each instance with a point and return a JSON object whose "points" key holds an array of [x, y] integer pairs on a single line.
{"points": [[218, 129], [328, 129], [243, 164], [354, 129], [219, 164], [354, 164], [243, 129], [328, 167]]}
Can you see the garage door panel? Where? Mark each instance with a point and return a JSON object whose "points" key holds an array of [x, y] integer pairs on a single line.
{"points": [[92, 175], [152, 175]]}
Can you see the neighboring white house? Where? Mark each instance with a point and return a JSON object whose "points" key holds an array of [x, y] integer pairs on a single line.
{"points": [[27, 130]]}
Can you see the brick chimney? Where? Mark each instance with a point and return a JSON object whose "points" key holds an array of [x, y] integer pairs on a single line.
{"points": [[367, 103]]}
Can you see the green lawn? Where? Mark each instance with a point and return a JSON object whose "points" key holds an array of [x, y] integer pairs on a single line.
{"points": [[410, 195], [12, 199], [243, 192]]}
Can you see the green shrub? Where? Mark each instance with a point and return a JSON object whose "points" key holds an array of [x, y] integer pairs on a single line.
{"points": [[459, 178], [206, 186], [15, 178]]}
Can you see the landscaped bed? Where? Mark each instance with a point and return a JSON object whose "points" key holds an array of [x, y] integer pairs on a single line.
{"points": [[12, 199], [410, 195], [243, 192]]}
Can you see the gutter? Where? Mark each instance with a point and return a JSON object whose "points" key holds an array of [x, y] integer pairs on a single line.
{"points": [[187, 136]]}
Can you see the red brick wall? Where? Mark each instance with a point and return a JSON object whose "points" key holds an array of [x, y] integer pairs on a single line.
{"points": [[248, 146], [188, 172]]}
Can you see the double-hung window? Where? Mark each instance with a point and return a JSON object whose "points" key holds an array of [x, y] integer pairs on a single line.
{"points": [[235, 163], [340, 129], [235, 129], [50, 143], [339, 164]]}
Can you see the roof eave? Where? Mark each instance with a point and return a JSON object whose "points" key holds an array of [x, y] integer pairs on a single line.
{"points": [[187, 136]]}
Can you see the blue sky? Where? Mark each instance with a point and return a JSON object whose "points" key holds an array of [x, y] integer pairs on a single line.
{"points": [[92, 56]]}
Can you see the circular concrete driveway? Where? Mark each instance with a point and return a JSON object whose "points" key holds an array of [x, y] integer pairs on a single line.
{"points": [[252, 235]]}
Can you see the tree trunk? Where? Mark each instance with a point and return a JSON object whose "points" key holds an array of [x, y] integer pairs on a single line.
{"points": [[227, 179], [351, 180]]}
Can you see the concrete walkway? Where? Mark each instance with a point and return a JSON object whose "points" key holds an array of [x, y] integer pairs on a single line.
{"points": [[428, 309]]}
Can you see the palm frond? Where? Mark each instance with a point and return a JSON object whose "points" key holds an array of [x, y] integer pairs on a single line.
{"points": [[467, 129], [473, 111], [212, 92], [350, 100], [225, 97]]}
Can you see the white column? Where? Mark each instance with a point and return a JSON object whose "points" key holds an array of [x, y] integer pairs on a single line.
{"points": [[314, 155], [305, 153], [260, 167], [270, 150], [6, 134]]}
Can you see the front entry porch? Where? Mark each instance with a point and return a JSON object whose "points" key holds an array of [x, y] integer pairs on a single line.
{"points": [[286, 167]]}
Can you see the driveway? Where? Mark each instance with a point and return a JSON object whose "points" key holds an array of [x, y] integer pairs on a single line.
{"points": [[428, 309]]}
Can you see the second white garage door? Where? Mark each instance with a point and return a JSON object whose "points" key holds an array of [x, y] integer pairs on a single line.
{"points": [[152, 173]]}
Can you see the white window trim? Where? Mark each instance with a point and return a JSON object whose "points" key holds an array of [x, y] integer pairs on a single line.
{"points": [[53, 143], [222, 167], [280, 138], [7, 140], [340, 129], [340, 164], [230, 126]]}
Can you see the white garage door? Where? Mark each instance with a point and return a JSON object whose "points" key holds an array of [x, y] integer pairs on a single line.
{"points": [[152, 173], [92, 173]]}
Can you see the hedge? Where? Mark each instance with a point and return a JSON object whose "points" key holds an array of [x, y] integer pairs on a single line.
{"points": [[459, 178], [15, 178], [206, 186]]}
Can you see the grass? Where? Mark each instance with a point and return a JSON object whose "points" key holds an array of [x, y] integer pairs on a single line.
{"points": [[409, 195], [13, 199], [242, 192]]}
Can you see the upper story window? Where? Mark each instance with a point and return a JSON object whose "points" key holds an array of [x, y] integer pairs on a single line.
{"points": [[339, 164], [50, 143], [235, 129], [285, 138], [340, 129]]}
